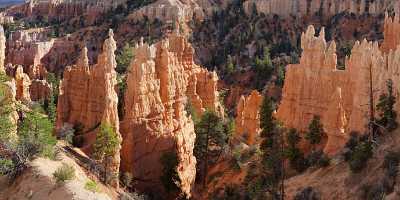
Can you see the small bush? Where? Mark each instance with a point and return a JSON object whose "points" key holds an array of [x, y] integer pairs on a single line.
{"points": [[318, 158], [391, 163], [308, 193], [373, 192], [359, 157], [64, 173], [91, 186]]}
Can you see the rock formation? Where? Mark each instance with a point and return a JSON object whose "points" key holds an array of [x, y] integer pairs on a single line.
{"points": [[23, 83], [162, 79], [170, 11], [65, 9], [321, 7], [340, 97], [390, 33], [2, 49], [88, 98], [247, 122]]}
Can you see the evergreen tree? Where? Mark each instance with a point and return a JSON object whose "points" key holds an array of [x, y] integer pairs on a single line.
{"points": [[272, 150], [387, 114], [210, 140], [293, 153], [315, 131], [263, 69], [169, 177], [230, 67], [124, 58], [106, 146]]}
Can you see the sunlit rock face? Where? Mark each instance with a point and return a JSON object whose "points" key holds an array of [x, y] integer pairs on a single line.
{"points": [[88, 98], [315, 87], [247, 122], [162, 80], [320, 7]]}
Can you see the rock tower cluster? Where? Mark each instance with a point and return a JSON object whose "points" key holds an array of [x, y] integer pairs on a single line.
{"points": [[162, 80], [321, 7], [88, 97], [342, 98]]}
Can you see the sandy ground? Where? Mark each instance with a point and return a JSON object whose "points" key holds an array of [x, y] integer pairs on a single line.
{"points": [[37, 183]]}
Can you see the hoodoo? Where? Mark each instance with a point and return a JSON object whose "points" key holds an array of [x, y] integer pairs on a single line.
{"points": [[315, 87], [88, 97]]}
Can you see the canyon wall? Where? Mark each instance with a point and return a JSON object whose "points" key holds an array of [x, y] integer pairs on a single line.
{"points": [[57, 10], [315, 87], [88, 98], [247, 122], [162, 80], [323, 7]]}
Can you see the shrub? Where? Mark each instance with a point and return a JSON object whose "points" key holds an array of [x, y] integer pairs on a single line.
{"points": [[373, 192], [169, 177], [391, 163], [126, 179], [64, 173], [307, 193], [318, 158], [359, 157], [91, 186]]}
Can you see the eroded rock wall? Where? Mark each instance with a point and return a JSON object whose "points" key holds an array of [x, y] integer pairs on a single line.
{"points": [[88, 98], [320, 7], [340, 97], [247, 122]]}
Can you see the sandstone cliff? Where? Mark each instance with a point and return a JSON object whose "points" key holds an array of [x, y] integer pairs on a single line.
{"points": [[247, 122], [340, 97], [88, 97], [320, 7]]}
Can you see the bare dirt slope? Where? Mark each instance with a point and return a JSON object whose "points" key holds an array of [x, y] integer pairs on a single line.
{"points": [[338, 182], [37, 183]]}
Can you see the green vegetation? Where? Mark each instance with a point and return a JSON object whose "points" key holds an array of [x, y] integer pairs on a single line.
{"points": [[105, 147], [91, 186], [293, 153], [211, 138], [272, 149], [263, 69], [124, 58], [170, 178], [315, 131], [387, 114], [64, 173], [359, 151], [6, 125]]}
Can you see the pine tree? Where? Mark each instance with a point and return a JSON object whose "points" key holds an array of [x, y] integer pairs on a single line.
{"points": [[210, 138], [272, 150], [387, 114], [315, 131], [293, 153], [106, 146], [124, 58]]}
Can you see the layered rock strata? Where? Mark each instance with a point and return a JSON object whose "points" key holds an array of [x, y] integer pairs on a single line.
{"points": [[247, 122], [23, 83], [162, 79], [321, 7], [88, 98], [315, 87]]}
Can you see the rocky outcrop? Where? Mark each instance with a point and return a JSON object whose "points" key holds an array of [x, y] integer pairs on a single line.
{"points": [[23, 83], [247, 122], [57, 10], [2, 49], [320, 7], [88, 98], [162, 79], [169, 11], [28, 47], [390, 33], [4, 19], [340, 97]]}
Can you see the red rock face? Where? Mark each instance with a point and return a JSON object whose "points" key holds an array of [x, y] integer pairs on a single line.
{"points": [[247, 122], [326, 7], [162, 78], [340, 97], [88, 97]]}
